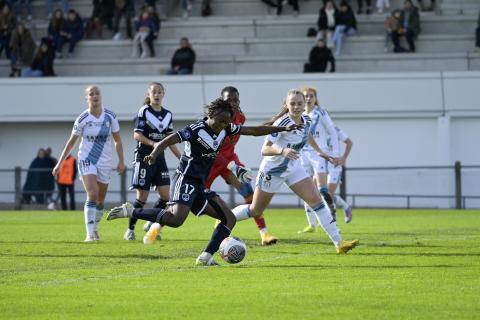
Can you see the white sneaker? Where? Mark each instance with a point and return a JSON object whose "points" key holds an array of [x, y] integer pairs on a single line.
{"points": [[89, 238], [206, 259], [123, 211], [129, 235], [152, 234]]}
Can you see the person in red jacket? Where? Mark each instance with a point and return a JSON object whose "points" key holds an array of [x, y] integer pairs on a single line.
{"points": [[66, 181], [226, 155]]}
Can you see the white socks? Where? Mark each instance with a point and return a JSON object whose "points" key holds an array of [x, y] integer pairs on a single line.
{"points": [[90, 211], [330, 227], [98, 218], [242, 212], [311, 218], [341, 203]]}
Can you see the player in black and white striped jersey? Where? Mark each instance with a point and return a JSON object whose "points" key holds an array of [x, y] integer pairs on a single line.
{"points": [[152, 123]]}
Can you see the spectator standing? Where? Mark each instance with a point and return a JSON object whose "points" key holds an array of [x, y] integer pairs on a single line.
{"points": [[49, 5], [66, 181], [22, 49], [183, 59], [18, 8], [319, 58], [72, 32], [32, 184], [102, 14], [55, 28], [346, 25], [327, 20], [186, 7], [123, 8], [360, 6], [391, 24], [409, 27], [42, 65], [382, 5], [144, 26], [7, 25]]}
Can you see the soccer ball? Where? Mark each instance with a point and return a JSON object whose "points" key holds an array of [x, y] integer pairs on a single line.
{"points": [[232, 250]]}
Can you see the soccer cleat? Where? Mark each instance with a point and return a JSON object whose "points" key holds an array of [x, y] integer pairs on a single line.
{"points": [[129, 235], [346, 246], [96, 236], [152, 234], [348, 215], [200, 262], [268, 239], [308, 229], [89, 238], [123, 211], [147, 226]]}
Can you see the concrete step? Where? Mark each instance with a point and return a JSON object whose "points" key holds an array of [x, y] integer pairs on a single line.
{"points": [[294, 47], [266, 65], [83, 7]]}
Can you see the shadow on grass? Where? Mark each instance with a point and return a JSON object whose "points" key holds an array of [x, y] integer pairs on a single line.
{"points": [[101, 256]]}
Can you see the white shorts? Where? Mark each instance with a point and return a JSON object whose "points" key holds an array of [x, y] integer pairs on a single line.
{"points": [[272, 184], [334, 174], [85, 167], [313, 163]]}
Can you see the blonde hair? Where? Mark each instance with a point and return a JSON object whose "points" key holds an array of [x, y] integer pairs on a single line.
{"points": [[90, 87], [152, 84], [284, 108], [306, 89]]}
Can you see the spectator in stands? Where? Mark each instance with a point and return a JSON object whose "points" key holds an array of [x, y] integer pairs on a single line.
{"points": [[360, 6], [153, 35], [72, 32], [206, 8], [346, 24], [477, 42], [391, 24], [123, 8], [55, 29], [66, 181], [186, 7], [18, 8], [277, 4], [183, 59], [327, 20], [102, 14], [42, 65], [409, 27], [33, 182], [47, 177], [49, 4], [7, 25], [319, 58], [382, 5], [144, 25], [22, 49]]}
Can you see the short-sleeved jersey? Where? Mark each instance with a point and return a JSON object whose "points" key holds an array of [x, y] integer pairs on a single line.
{"points": [[96, 134], [342, 136], [155, 125], [227, 149], [296, 139], [201, 148], [321, 121]]}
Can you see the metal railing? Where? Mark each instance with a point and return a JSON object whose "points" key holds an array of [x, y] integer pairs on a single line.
{"points": [[459, 199]]}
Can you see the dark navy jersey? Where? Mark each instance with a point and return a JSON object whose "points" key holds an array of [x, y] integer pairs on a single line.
{"points": [[201, 148], [155, 125]]}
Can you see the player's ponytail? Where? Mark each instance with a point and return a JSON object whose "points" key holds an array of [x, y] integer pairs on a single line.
{"points": [[284, 108]]}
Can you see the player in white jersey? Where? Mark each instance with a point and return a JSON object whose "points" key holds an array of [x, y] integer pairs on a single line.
{"points": [[322, 128], [281, 164], [335, 173], [96, 126]]}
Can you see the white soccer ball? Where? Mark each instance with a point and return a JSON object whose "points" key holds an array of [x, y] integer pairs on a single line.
{"points": [[232, 250]]}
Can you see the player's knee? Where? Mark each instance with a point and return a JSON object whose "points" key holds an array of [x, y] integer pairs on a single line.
{"points": [[177, 222]]}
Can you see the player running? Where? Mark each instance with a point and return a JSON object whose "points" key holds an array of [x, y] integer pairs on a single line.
{"points": [[96, 125], [281, 165], [188, 193], [227, 154], [152, 123]]}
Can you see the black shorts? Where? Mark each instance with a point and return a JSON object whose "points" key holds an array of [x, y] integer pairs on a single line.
{"points": [[190, 192], [146, 176]]}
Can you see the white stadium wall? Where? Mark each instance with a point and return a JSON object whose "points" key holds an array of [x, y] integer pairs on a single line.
{"points": [[426, 119]]}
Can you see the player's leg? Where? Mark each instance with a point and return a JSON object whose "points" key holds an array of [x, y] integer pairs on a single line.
{"points": [[321, 179], [246, 190], [91, 188], [102, 193], [161, 203], [334, 178], [309, 165]]}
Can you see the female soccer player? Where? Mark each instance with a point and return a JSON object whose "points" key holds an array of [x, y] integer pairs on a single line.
{"points": [[152, 124], [281, 165], [96, 125], [188, 193], [227, 154], [322, 128]]}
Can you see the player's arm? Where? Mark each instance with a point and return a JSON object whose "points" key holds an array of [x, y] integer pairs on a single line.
{"points": [[348, 147], [161, 146], [66, 151], [138, 136], [268, 149], [119, 148], [314, 145], [264, 130], [175, 151]]}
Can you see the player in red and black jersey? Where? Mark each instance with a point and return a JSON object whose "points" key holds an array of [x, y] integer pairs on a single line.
{"points": [[227, 154]]}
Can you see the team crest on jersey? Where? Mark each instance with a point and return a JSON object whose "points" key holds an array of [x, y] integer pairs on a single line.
{"points": [[185, 196], [185, 134], [141, 182], [141, 123], [215, 144]]}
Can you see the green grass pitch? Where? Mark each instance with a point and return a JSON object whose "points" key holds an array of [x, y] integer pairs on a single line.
{"points": [[411, 264]]}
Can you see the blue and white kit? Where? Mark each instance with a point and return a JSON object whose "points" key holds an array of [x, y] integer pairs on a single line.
{"points": [[334, 173]]}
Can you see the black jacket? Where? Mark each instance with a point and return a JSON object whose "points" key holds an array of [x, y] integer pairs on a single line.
{"points": [[319, 58], [322, 22], [347, 19], [413, 21], [184, 58]]}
